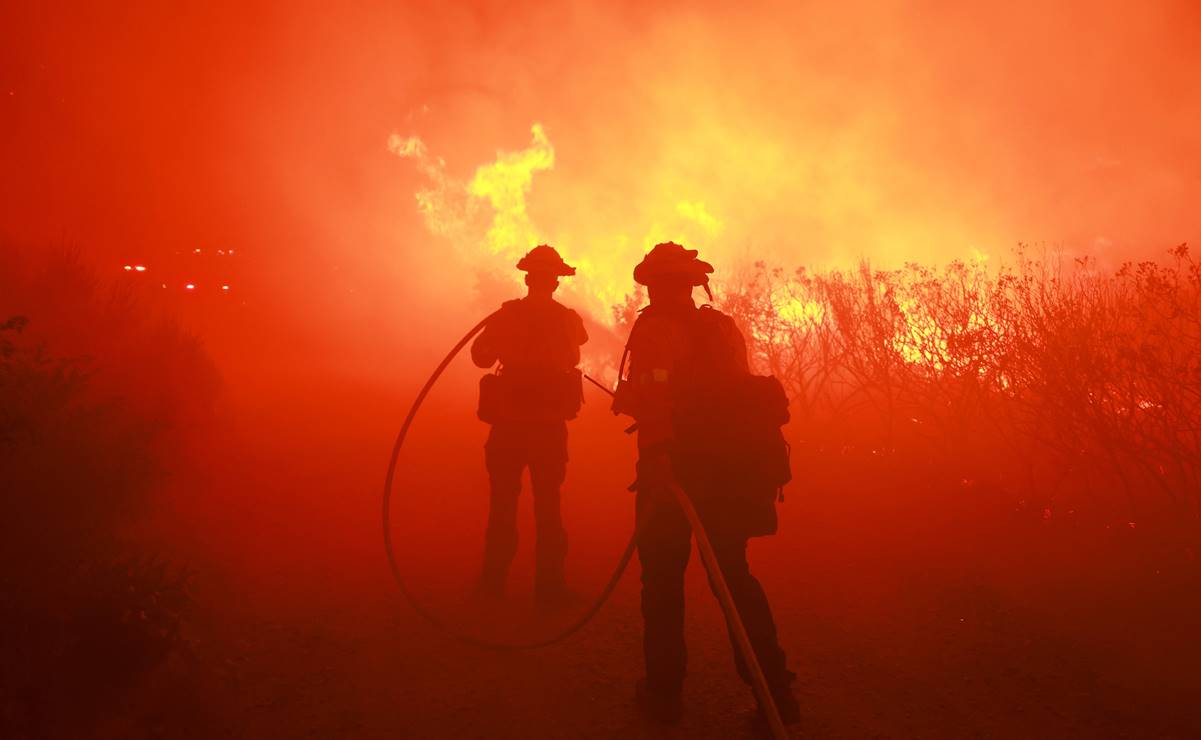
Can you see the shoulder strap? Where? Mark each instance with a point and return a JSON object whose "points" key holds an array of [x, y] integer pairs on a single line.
{"points": [[625, 352]]}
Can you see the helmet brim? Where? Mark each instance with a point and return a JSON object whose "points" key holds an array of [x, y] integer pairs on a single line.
{"points": [[563, 270], [692, 271]]}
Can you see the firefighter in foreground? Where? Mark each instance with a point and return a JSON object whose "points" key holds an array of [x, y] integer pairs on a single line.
{"points": [[706, 423], [528, 400]]}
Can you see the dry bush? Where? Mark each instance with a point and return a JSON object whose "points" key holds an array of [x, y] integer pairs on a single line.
{"points": [[96, 393], [1072, 389]]}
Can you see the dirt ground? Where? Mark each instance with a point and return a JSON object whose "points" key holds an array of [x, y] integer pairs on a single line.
{"points": [[905, 610]]}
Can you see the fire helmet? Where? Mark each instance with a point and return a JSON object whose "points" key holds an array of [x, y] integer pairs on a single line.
{"points": [[671, 262], [545, 259]]}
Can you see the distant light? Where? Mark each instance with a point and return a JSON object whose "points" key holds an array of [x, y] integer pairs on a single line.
{"points": [[189, 286], [231, 251], [140, 268], [196, 250], [220, 251], [224, 287], [164, 285], [129, 267]]}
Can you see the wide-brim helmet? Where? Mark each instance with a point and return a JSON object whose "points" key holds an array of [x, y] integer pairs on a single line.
{"points": [[544, 259], [671, 262]]}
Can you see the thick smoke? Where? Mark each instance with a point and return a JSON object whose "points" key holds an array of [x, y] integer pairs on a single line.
{"points": [[800, 133]]}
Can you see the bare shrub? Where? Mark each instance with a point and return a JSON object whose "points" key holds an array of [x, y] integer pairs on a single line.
{"points": [[1073, 389]]}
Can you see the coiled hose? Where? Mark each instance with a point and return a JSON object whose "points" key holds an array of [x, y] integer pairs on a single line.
{"points": [[420, 608], [708, 557]]}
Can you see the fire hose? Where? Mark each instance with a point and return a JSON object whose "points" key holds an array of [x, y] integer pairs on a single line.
{"points": [[708, 557]]}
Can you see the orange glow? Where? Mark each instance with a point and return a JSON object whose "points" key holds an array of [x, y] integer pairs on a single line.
{"points": [[794, 144], [811, 134], [857, 172]]}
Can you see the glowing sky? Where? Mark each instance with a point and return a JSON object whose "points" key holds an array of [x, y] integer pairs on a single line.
{"points": [[807, 133]]}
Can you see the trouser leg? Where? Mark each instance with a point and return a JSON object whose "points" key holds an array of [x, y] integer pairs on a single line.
{"points": [[500, 539], [548, 468], [755, 611], [546, 478], [664, 544]]}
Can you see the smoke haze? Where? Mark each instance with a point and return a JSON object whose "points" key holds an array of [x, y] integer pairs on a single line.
{"points": [[328, 195], [804, 134]]}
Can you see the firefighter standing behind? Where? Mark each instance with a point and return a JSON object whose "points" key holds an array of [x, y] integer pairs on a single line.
{"points": [[528, 401], [707, 424]]}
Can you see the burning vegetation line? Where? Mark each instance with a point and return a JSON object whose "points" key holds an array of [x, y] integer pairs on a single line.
{"points": [[1030, 366]]}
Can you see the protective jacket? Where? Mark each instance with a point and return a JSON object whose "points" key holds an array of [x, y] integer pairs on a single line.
{"points": [[691, 390], [537, 344]]}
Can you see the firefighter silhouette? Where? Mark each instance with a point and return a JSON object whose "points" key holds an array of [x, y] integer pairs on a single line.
{"points": [[706, 423], [528, 400]]}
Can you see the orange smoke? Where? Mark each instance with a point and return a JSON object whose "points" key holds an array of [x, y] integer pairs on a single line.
{"points": [[802, 134], [813, 135]]}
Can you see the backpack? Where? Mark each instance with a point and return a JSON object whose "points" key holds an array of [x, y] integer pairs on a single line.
{"points": [[729, 451]]}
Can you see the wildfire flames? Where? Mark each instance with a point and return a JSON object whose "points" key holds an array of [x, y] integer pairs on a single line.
{"points": [[236, 239], [487, 218], [1065, 359]]}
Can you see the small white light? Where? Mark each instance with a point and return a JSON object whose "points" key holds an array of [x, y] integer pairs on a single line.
{"points": [[140, 268], [189, 286], [129, 267], [196, 250], [224, 287]]}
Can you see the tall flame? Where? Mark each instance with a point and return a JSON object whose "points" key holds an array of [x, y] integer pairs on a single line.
{"points": [[489, 220], [505, 185]]}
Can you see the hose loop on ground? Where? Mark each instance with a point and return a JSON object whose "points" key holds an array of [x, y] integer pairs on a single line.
{"points": [[429, 616], [721, 589]]}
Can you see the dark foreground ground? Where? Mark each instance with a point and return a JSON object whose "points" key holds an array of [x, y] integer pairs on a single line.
{"points": [[906, 611]]}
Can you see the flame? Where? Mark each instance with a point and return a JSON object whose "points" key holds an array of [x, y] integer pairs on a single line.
{"points": [[798, 312], [490, 221], [505, 207], [696, 212], [451, 207], [443, 203], [919, 340], [505, 185], [801, 308]]}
